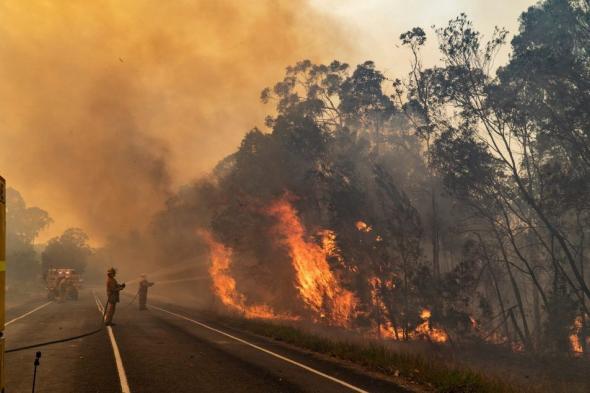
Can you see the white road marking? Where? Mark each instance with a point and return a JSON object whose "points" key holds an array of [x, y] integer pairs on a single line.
{"points": [[28, 313], [116, 352], [286, 359]]}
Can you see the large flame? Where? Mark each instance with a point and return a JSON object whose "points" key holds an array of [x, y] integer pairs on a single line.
{"points": [[317, 285], [224, 284], [319, 288], [425, 329]]}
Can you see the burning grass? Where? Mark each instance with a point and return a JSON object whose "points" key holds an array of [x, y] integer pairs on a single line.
{"points": [[431, 372]]}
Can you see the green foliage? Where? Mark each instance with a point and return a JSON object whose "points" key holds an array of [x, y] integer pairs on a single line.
{"points": [[512, 148], [70, 250], [473, 180], [23, 225]]}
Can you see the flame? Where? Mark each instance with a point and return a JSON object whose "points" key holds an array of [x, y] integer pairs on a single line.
{"points": [[317, 285], [375, 284], [363, 227], [474, 324], [575, 336], [517, 347], [389, 331], [385, 329], [426, 330], [224, 285], [328, 239]]}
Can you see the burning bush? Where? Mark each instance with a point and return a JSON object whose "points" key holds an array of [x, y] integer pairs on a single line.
{"points": [[449, 206], [308, 221]]}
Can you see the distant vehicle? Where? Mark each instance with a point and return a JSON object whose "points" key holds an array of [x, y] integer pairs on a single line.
{"points": [[63, 284]]}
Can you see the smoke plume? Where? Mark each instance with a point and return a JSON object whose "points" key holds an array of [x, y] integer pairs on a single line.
{"points": [[108, 106]]}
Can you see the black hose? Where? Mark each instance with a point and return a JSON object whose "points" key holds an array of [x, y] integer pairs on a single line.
{"points": [[132, 300], [63, 340]]}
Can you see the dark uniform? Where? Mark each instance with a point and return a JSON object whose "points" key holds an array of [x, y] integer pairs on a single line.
{"points": [[113, 289], [60, 289], [144, 284]]}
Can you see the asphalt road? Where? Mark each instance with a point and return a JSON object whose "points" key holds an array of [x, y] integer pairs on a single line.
{"points": [[168, 348]]}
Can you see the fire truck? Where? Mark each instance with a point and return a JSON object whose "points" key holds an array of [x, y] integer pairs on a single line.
{"points": [[63, 284]]}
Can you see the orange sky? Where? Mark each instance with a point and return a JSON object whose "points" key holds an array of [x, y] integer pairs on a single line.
{"points": [[106, 107]]}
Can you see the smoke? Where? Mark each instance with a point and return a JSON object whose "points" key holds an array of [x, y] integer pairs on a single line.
{"points": [[108, 106]]}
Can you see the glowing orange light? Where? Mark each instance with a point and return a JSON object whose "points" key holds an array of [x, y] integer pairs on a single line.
{"points": [[317, 285], [426, 330], [224, 285], [363, 226], [575, 338]]}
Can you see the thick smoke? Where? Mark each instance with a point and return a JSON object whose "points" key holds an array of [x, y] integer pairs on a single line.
{"points": [[108, 106]]}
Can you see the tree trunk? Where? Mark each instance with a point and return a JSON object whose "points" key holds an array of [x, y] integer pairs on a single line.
{"points": [[537, 317], [435, 236], [501, 303], [525, 334], [584, 329]]}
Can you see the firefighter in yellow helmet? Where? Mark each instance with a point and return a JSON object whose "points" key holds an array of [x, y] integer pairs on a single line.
{"points": [[144, 284], [113, 289]]}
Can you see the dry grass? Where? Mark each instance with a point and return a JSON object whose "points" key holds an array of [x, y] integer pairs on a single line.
{"points": [[377, 357]]}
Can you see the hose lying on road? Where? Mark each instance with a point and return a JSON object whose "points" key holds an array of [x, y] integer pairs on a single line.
{"points": [[62, 340]]}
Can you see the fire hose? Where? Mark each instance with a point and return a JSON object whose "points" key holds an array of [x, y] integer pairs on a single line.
{"points": [[62, 340], [132, 300], [72, 338]]}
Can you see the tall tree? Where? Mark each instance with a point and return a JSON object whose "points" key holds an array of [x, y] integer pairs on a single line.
{"points": [[23, 225], [70, 250]]}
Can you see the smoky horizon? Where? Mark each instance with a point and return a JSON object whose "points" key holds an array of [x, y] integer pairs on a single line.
{"points": [[399, 186]]}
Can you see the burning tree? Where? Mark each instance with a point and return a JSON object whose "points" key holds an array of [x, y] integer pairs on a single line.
{"points": [[311, 221], [510, 147], [448, 206]]}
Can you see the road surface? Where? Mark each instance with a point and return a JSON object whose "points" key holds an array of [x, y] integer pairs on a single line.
{"points": [[168, 348]]}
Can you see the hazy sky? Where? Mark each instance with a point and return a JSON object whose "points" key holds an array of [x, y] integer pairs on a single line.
{"points": [[374, 26], [107, 107]]}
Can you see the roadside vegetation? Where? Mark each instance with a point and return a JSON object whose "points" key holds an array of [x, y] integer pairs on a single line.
{"points": [[447, 203], [430, 372]]}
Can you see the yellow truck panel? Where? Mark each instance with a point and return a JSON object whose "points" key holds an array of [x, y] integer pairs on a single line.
{"points": [[2, 275]]}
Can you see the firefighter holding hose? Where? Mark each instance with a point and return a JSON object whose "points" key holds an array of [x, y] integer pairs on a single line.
{"points": [[113, 289], [144, 284]]}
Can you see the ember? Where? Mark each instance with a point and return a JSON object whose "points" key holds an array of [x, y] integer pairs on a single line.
{"points": [[575, 342], [363, 227]]}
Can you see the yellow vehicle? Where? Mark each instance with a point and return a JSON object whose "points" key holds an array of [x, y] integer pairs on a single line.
{"points": [[2, 275], [63, 284]]}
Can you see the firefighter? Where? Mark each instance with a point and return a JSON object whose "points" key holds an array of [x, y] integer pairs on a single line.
{"points": [[144, 284], [113, 289], [60, 288]]}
